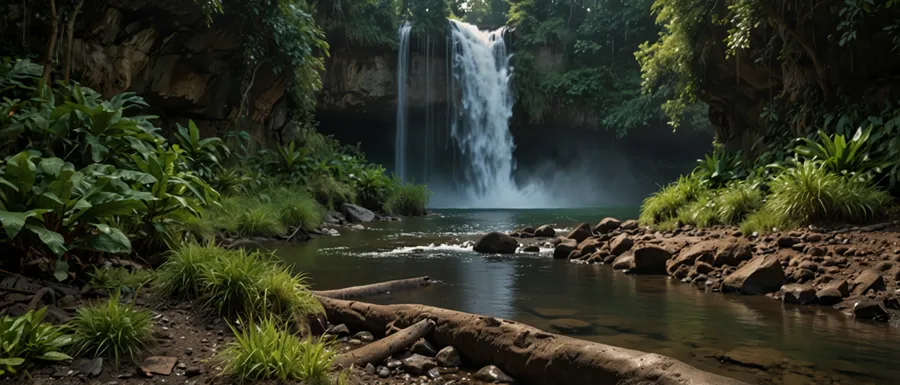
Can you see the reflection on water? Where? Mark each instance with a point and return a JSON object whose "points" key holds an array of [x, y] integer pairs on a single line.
{"points": [[778, 343]]}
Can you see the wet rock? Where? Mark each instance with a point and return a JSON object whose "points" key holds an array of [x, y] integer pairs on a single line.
{"points": [[417, 364], [761, 275], [681, 272], [704, 268], [564, 248], [787, 241], [356, 213], [869, 309], [393, 363], [607, 225], [829, 296], [384, 372], [841, 286], [868, 279], [423, 347], [755, 357], [553, 312], [798, 294], [650, 259], [493, 374], [623, 262], [496, 243], [580, 233], [731, 252], [531, 249], [571, 326], [620, 244], [590, 245], [448, 357], [364, 336], [545, 231], [609, 258], [158, 365], [89, 367], [338, 331]]}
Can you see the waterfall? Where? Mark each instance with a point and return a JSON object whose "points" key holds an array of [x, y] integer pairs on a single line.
{"points": [[402, 68]]}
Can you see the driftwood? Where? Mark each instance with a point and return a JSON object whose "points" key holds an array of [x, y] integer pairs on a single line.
{"points": [[375, 288], [530, 355], [379, 350]]}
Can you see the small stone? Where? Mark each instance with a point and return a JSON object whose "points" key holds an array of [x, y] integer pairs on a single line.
{"points": [[393, 364], [448, 357], [338, 330], [159, 365], [188, 351], [193, 371], [493, 374], [798, 294], [786, 241], [829, 296], [364, 336], [531, 249], [434, 373], [370, 369], [423, 347], [181, 366], [355, 342], [384, 372], [89, 367], [418, 364]]}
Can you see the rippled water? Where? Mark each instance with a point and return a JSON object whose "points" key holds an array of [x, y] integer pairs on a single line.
{"points": [[789, 344]]}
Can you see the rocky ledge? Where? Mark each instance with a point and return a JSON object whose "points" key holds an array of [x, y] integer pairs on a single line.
{"points": [[855, 270]]}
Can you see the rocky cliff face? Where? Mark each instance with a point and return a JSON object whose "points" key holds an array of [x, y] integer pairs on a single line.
{"points": [[164, 51]]}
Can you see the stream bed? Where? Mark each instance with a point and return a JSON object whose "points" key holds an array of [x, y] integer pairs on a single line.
{"points": [[754, 339]]}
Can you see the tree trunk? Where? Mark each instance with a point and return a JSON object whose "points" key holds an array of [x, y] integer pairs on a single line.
{"points": [[375, 288], [379, 350], [70, 31], [51, 45]]}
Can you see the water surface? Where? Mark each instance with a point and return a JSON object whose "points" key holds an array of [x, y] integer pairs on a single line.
{"points": [[793, 344]]}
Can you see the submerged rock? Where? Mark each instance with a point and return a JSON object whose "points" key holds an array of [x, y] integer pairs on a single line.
{"points": [[531, 249], [571, 326], [356, 213], [761, 275], [496, 243], [494, 375]]}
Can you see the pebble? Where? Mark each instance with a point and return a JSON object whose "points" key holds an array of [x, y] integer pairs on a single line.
{"points": [[188, 351], [384, 372], [370, 369]]}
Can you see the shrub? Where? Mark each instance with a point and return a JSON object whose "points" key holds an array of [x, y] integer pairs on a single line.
{"points": [[285, 294], [182, 273], [330, 192], [718, 168], [259, 218], [737, 200], [408, 199], [119, 279], [265, 351], [766, 221], [664, 204], [26, 339], [808, 192], [112, 329], [701, 212], [842, 156], [295, 207]]}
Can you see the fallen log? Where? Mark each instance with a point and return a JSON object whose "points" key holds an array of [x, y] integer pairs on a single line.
{"points": [[530, 355], [379, 350], [375, 288]]}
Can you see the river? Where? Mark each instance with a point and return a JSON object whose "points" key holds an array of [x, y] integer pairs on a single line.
{"points": [[777, 343]]}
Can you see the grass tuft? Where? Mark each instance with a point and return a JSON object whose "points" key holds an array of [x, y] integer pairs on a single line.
{"points": [[296, 208], [120, 279], [260, 219], [181, 275], [700, 212], [330, 192], [766, 221], [663, 205], [112, 329], [736, 201], [408, 199], [266, 351]]}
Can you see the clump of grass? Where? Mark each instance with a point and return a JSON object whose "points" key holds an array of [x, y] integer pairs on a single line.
{"points": [[26, 339], [120, 279], [284, 293], [331, 192], [181, 275], [766, 221], [297, 208], [700, 212], [260, 219], [112, 329], [664, 204], [736, 201], [408, 199], [266, 351], [808, 192]]}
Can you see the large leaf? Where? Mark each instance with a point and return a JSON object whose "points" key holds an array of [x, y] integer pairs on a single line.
{"points": [[21, 171], [52, 239], [110, 240], [15, 361], [14, 221], [51, 166], [62, 270], [54, 356]]}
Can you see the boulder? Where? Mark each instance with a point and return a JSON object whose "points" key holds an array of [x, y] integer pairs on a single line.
{"points": [[496, 243], [829, 297], [761, 275], [492, 374], [356, 213], [731, 252], [704, 268], [623, 262], [590, 245], [630, 224], [580, 233], [868, 279], [564, 248], [528, 230], [840, 286], [607, 225], [703, 251], [620, 244], [869, 309], [545, 231], [650, 259], [798, 294]]}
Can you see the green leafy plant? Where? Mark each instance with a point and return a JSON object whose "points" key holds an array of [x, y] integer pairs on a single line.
{"points": [[202, 156], [737, 200], [26, 339], [701, 212], [264, 350], [719, 167], [407, 199], [182, 273], [665, 203], [112, 329], [119, 279], [841, 156], [294, 207]]}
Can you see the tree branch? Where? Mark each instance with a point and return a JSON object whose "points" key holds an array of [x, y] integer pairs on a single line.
{"points": [[51, 45]]}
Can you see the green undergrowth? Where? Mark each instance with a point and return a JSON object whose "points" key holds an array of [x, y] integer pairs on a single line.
{"points": [[267, 213], [27, 340], [407, 199], [120, 279], [112, 329]]}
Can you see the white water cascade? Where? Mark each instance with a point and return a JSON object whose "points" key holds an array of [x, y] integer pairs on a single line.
{"points": [[480, 106]]}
